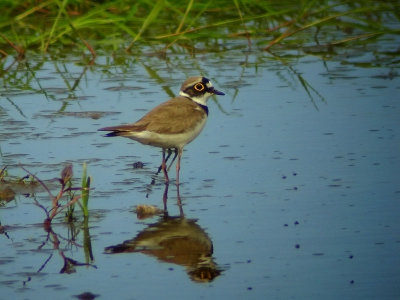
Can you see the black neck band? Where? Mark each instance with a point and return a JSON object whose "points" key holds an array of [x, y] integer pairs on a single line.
{"points": [[203, 107]]}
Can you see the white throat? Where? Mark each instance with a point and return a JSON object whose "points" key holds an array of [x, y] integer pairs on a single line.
{"points": [[200, 100]]}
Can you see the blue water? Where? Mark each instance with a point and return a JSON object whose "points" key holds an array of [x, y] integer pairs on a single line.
{"points": [[294, 179]]}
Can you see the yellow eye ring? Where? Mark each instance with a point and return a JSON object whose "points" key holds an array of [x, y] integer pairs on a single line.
{"points": [[199, 87]]}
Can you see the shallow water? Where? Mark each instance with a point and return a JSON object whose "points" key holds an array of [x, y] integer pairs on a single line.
{"points": [[294, 180]]}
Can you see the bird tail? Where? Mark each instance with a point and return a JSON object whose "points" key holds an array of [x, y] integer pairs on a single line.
{"points": [[115, 131]]}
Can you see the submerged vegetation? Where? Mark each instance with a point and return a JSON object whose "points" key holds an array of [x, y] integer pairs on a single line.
{"points": [[9, 188], [66, 198], [122, 25]]}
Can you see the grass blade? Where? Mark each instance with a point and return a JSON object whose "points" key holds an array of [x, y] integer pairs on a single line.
{"points": [[85, 190], [150, 18]]}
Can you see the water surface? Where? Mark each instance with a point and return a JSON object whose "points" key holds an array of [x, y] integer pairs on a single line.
{"points": [[294, 180]]}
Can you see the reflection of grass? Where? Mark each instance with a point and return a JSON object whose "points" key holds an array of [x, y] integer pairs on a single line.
{"points": [[122, 23], [64, 27]]}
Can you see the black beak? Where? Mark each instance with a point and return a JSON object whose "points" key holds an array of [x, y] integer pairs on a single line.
{"points": [[216, 92]]}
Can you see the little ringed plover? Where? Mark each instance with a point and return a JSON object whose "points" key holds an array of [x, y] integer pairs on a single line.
{"points": [[174, 123]]}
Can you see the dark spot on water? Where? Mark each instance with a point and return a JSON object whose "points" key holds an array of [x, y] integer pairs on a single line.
{"points": [[294, 174], [52, 286], [286, 225], [138, 165], [95, 115], [352, 282], [123, 88], [249, 288], [297, 246], [351, 256], [283, 177], [231, 157], [101, 144], [9, 282], [257, 193], [318, 254], [296, 223], [390, 75], [86, 296], [5, 260]]}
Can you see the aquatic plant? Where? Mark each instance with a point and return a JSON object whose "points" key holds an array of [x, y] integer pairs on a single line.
{"points": [[122, 24], [85, 190], [85, 187], [66, 188]]}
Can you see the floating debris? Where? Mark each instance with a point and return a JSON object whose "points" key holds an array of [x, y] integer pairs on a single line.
{"points": [[138, 165], [144, 211]]}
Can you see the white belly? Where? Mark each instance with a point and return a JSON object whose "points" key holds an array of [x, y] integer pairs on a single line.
{"points": [[177, 140]]}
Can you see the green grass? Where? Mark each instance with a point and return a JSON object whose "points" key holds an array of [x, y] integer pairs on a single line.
{"points": [[123, 25], [85, 190], [119, 30]]}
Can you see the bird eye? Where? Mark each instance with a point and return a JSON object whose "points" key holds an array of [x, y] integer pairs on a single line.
{"points": [[199, 87]]}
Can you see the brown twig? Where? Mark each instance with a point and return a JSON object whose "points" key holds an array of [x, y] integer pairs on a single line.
{"points": [[21, 51], [40, 181], [90, 48]]}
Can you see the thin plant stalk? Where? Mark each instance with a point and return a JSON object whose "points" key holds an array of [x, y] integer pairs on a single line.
{"points": [[85, 190], [60, 11], [150, 18], [244, 24]]}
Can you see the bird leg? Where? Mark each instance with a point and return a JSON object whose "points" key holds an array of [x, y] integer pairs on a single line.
{"points": [[166, 159], [164, 166], [178, 165], [177, 153], [173, 159]]}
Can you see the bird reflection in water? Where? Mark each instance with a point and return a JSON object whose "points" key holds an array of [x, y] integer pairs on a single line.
{"points": [[177, 240]]}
